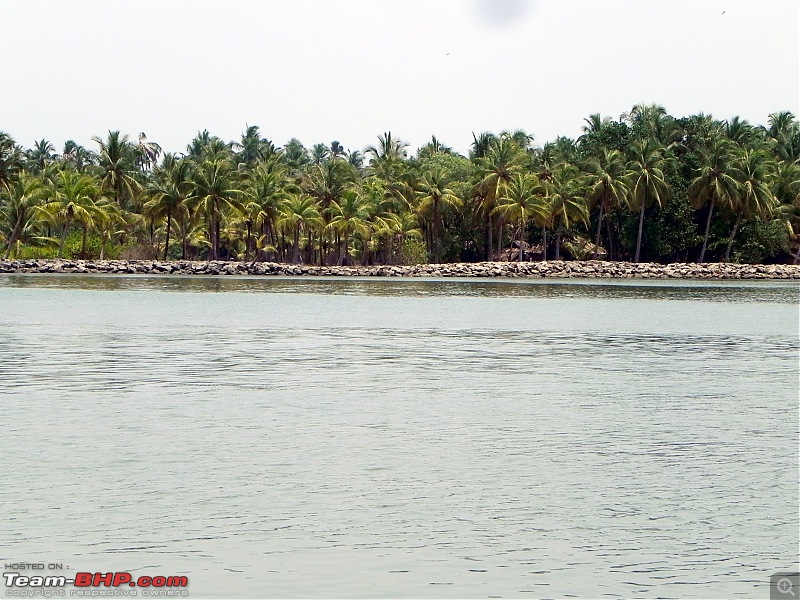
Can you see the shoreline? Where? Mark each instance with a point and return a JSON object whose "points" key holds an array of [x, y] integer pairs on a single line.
{"points": [[483, 270]]}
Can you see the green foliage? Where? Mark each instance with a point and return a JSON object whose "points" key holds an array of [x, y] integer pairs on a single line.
{"points": [[413, 252], [760, 242], [646, 186]]}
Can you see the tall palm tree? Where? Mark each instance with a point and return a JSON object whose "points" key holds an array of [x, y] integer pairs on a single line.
{"points": [[214, 189], [496, 168], [350, 216], [169, 192], [714, 184], [522, 200], [300, 213], [76, 156], [75, 200], [566, 194], [117, 158], [147, 152], [267, 190], [646, 180], [388, 149], [10, 159], [42, 154], [432, 195], [608, 187], [22, 197], [755, 197]]}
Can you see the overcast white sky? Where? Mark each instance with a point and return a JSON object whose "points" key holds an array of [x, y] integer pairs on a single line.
{"points": [[349, 70]]}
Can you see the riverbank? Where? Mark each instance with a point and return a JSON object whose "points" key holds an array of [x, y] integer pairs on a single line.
{"points": [[555, 269]]}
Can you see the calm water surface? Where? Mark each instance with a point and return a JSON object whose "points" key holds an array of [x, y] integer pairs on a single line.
{"points": [[406, 438]]}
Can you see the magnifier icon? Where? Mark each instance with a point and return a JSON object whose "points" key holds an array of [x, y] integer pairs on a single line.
{"points": [[785, 587]]}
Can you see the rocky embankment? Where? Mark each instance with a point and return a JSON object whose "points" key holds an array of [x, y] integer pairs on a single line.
{"points": [[555, 269]]}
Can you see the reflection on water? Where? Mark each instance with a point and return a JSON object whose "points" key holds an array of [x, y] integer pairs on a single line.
{"points": [[713, 291], [343, 438]]}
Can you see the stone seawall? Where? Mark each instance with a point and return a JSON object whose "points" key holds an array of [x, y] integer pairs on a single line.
{"points": [[554, 269]]}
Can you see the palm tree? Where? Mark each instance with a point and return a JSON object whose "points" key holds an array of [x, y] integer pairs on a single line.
{"points": [[608, 187], [503, 160], [432, 194], [169, 192], [117, 158], [77, 156], [566, 194], [481, 144], [23, 196], [213, 190], [10, 159], [714, 184], [755, 197], [267, 190], [739, 131], [388, 149], [147, 153], [300, 212], [319, 154], [349, 216], [42, 154], [523, 199], [646, 180], [75, 200]]}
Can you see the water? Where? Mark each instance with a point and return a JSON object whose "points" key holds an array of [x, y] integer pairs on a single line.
{"points": [[373, 438]]}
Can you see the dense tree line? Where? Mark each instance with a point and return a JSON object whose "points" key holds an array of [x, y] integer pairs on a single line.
{"points": [[647, 186]]}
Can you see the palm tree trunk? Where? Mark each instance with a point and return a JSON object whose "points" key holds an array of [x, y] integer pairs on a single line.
{"points": [[797, 256], [597, 237], [63, 238], [169, 226], [491, 241], [437, 250], [558, 239], [544, 243], [708, 227], [733, 235], [14, 235], [610, 240], [639, 236]]}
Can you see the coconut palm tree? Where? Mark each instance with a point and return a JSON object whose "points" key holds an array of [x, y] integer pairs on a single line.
{"points": [[10, 159], [147, 152], [300, 213], [38, 157], [22, 197], [75, 201], [432, 195], [349, 216], [566, 195], [646, 180], [76, 156], [607, 180], [522, 200], [117, 159], [267, 190], [215, 189], [755, 197], [169, 191], [715, 183], [502, 161], [388, 149]]}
